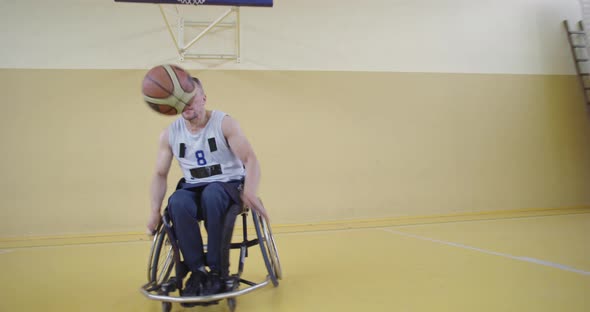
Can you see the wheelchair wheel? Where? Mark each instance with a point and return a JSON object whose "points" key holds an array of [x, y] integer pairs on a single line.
{"points": [[151, 257], [272, 249], [268, 247], [162, 260]]}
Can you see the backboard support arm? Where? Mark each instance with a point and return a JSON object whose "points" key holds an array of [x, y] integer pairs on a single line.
{"points": [[182, 49]]}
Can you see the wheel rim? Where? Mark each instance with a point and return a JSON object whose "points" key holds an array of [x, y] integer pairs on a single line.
{"points": [[162, 259], [152, 251], [269, 255], [272, 248]]}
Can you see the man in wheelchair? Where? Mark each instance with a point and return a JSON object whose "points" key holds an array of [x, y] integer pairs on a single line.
{"points": [[216, 159]]}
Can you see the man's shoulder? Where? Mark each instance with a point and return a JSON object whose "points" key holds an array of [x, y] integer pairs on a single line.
{"points": [[228, 123], [175, 125], [218, 113], [174, 129]]}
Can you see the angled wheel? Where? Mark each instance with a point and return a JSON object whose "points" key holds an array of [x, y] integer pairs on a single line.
{"points": [[268, 247], [152, 249], [272, 248], [161, 260]]}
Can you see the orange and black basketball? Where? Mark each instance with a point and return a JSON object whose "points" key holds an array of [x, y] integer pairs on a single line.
{"points": [[167, 89]]}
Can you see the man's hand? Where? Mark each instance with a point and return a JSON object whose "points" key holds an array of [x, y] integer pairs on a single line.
{"points": [[153, 222], [252, 201]]}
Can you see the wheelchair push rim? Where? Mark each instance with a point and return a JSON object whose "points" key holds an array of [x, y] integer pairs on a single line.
{"points": [[268, 248], [161, 258]]}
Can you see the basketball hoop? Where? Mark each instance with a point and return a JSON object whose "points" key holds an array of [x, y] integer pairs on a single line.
{"points": [[207, 27], [193, 2]]}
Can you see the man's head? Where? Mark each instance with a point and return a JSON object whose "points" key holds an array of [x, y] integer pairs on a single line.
{"points": [[196, 106]]}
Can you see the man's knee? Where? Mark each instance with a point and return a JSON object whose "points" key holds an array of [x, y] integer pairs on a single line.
{"points": [[213, 191], [181, 203], [214, 198]]}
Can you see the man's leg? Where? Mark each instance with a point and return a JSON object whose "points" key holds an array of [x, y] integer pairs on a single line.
{"points": [[215, 202], [182, 207]]}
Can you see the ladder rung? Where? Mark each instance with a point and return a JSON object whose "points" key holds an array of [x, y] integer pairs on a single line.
{"points": [[582, 60], [576, 32], [584, 74], [579, 46]]}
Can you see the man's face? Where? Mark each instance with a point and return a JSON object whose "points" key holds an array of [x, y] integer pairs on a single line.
{"points": [[196, 107]]}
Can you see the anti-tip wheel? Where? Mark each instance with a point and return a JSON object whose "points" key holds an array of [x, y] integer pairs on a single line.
{"points": [[231, 303]]}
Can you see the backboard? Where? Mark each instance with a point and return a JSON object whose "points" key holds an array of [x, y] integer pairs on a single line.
{"points": [[256, 3], [180, 42]]}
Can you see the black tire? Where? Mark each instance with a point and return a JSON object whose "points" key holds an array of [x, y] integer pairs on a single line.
{"points": [[162, 260], [166, 306]]}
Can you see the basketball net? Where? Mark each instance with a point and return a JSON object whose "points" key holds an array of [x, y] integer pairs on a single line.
{"points": [[193, 2]]}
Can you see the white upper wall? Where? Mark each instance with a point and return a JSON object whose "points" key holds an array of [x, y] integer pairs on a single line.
{"points": [[467, 36]]}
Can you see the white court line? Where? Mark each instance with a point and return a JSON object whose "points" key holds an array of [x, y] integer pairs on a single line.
{"points": [[5, 251], [495, 253]]}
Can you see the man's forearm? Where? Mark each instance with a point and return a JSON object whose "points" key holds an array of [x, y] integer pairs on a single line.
{"points": [[158, 190], [252, 176]]}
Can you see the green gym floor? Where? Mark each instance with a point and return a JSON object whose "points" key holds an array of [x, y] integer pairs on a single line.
{"points": [[535, 261]]}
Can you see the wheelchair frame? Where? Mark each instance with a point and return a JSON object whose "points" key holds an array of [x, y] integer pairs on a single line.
{"points": [[165, 255]]}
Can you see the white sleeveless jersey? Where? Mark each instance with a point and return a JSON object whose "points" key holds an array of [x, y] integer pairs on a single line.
{"points": [[205, 156]]}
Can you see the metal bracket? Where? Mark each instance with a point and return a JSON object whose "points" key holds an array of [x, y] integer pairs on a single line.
{"points": [[183, 49]]}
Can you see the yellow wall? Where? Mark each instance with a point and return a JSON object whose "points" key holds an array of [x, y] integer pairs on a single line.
{"points": [[78, 146]]}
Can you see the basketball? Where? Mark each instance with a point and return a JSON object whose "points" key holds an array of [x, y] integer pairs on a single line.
{"points": [[167, 89]]}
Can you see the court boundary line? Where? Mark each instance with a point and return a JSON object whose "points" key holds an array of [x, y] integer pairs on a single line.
{"points": [[491, 252]]}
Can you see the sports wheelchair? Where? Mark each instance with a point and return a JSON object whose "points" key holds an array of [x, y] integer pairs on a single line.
{"points": [[165, 255]]}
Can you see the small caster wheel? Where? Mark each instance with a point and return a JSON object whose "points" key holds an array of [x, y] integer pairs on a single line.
{"points": [[166, 306], [231, 303]]}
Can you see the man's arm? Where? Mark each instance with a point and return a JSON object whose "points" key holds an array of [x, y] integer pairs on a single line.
{"points": [[159, 181], [241, 147]]}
